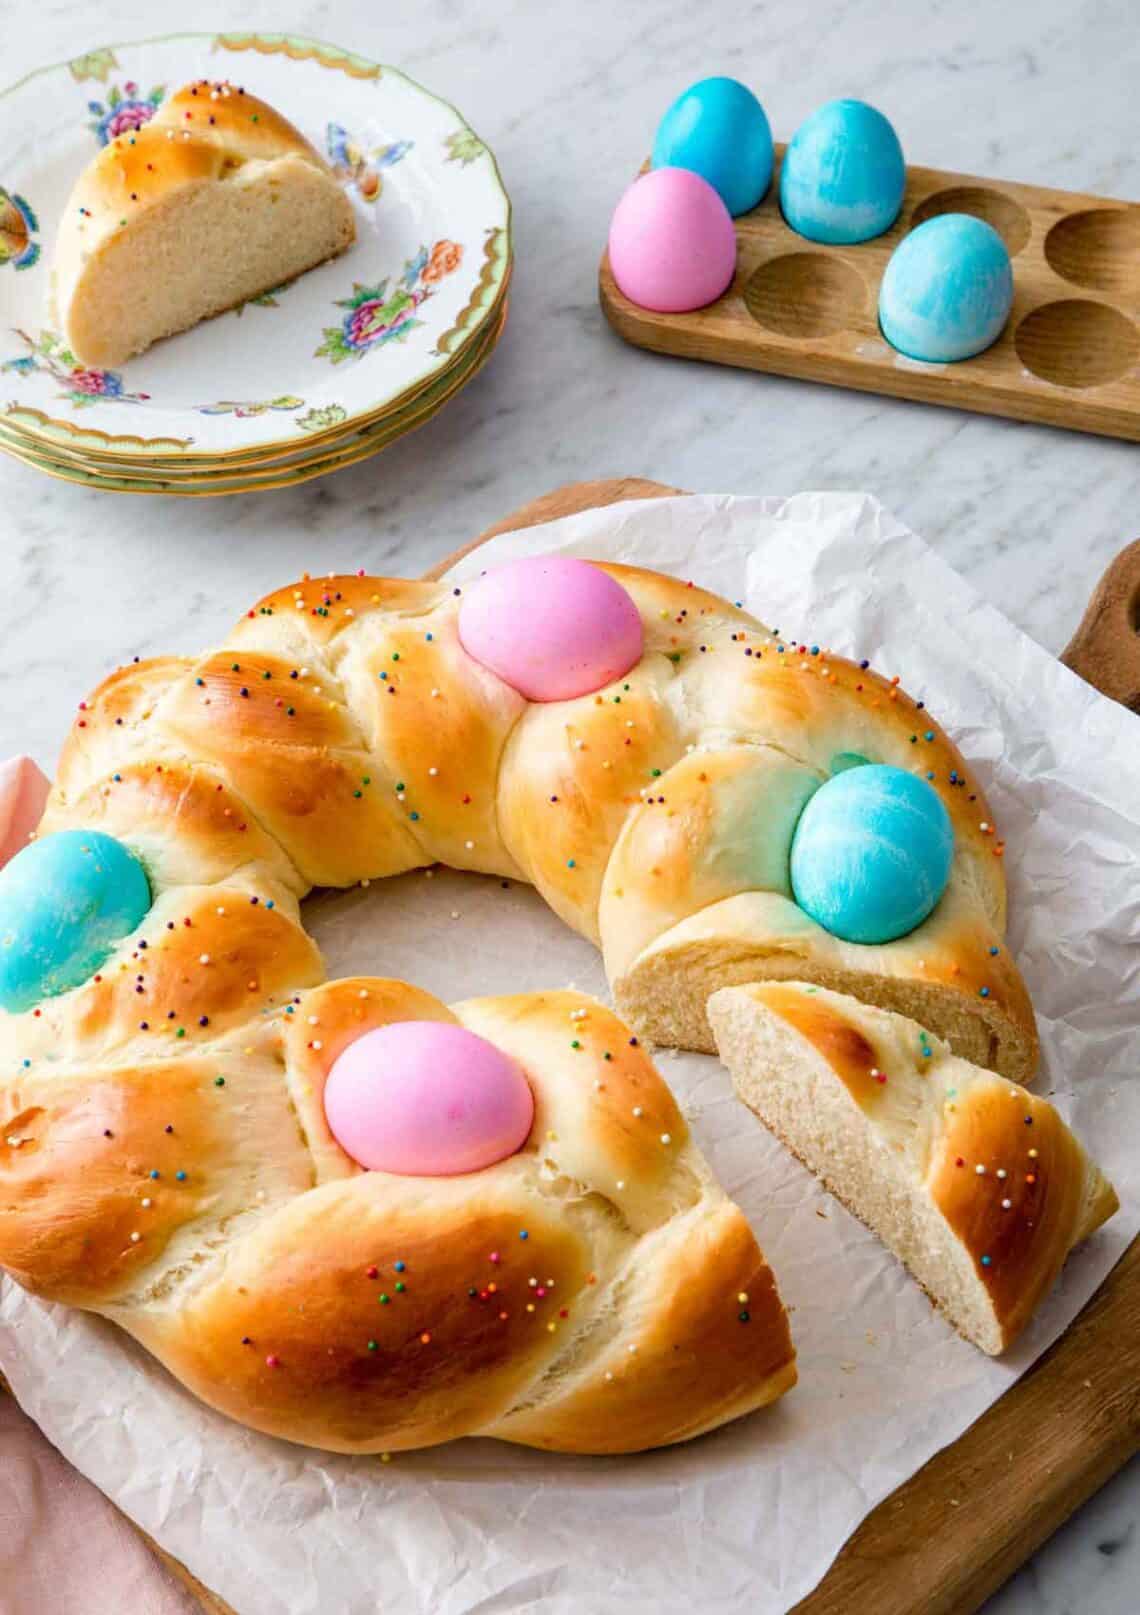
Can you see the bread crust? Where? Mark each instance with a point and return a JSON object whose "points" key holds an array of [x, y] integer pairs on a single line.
{"points": [[1010, 1181], [654, 817], [342, 734], [582, 1295]]}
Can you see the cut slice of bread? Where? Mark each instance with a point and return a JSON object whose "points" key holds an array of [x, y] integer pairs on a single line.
{"points": [[213, 202], [978, 1187]]}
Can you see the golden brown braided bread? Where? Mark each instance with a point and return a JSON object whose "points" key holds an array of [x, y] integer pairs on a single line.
{"points": [[595, 1292], [655, 817], [343, 734]]}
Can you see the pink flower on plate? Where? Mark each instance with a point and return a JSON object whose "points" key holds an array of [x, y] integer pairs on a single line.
{"points": [[130, 115], [367, 322], [124, 109], [99, 383]]}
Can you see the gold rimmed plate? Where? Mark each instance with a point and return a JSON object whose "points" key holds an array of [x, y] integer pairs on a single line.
{"points": [[86, 452], [366, 443], [335, 352]]}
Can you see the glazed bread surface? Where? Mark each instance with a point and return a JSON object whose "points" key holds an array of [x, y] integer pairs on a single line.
{"points": [[654, 816], [343, 734], [583, 1295], [978, 1187], [214, 201]]}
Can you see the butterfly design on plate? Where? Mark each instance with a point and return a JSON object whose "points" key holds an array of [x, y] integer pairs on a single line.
{"points": [[360, 167], [18, 225]]}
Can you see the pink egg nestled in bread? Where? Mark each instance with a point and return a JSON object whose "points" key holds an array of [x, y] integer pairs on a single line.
{"points": [[427, 1099], [672, 242], [551, 627]]}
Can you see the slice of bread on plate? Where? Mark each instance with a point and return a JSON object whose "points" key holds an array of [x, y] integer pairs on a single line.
{"points": [[978, 1187], [214, 201]]}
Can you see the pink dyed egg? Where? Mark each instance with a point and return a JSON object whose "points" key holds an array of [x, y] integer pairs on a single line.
{"points": [[672, 242], [427, 1099], [552, 627]]}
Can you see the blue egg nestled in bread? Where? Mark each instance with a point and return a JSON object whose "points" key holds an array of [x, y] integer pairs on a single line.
{"points": [[843, 175], [947, 290], [719, 130], [66, 901], [871, 853]]}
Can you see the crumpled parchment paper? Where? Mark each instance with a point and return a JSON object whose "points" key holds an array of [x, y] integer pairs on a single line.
{"points": [[749, 1518]]}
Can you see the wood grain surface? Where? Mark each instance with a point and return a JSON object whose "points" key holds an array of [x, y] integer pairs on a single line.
{"points": [[1069, 354], [1105, 650], [949, 1537]]}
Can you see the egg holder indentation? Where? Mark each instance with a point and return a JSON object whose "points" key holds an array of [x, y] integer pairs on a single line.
{"points": [[1068, 356], [806, 294], [1011, 221], [1098, 249], [1075, 342]]}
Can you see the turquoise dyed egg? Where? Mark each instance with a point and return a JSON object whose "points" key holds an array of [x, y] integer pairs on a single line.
{"points": [[65, 902], [843, 174], [871, 853], [719, 130], [947, 290]]}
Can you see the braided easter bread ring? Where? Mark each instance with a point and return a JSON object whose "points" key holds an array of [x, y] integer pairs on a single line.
{"points": [[165, 1154]]}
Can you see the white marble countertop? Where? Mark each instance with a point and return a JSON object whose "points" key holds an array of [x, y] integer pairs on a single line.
{"points": [[1038, 90]]}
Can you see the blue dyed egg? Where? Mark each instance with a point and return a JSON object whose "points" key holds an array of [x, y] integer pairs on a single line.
{"points": [[843, 174], [947, 290], [65, 902], [719, 130], [871, 853]]}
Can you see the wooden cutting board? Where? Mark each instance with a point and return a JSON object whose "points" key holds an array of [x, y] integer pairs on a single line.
{"points": [[963, 1524]]}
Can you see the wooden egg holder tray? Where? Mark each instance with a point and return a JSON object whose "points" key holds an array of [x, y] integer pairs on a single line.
{"points": [[1069, 355]]}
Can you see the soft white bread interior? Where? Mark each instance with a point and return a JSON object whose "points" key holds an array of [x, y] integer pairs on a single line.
{"points": [[214, 201], [979, 1188]]}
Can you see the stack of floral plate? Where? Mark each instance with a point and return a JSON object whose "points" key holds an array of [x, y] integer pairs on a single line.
{"points": [[310, 376]]}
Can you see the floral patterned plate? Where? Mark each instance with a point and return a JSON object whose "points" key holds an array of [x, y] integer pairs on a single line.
{"points": [[315, 437], [159, 480], [334, 352], [328, 456], [185, 479], [318, 430]]}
